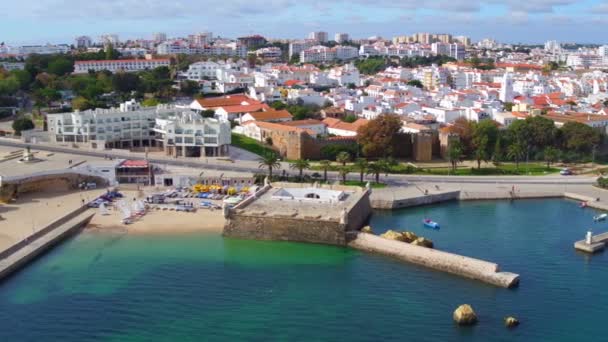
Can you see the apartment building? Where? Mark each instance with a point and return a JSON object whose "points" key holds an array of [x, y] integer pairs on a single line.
{"points": [[320, 36], [126, 65], [83, 42], [341, 38], [178, 132], [322, 53]]}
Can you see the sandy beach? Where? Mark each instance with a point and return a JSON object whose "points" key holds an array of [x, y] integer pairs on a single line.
{"points": [[161, 222]]}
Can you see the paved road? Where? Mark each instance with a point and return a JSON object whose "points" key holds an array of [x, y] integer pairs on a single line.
{"points": [[251, 166]]}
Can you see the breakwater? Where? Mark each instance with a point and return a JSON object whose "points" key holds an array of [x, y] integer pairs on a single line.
{"points": [[472, 268], [18, 255]]}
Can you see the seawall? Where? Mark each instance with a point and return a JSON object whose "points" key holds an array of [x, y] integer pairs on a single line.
{"points": [[18, 255], [442, 261]]}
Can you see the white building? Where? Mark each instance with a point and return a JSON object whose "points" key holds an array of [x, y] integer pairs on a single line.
{"points": [[269, 52], [39, 49], [176, 131], [298, 46], [319, 36], [10, 66], [506, 88], [127, 65], [106, 39], [159, 37], [320, 54], [341, 38], [201, 70]]}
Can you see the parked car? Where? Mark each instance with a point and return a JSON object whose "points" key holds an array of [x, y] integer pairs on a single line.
{"points": [[565, 172]]}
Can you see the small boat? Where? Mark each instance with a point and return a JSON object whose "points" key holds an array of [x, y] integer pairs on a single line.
{"points": [[600, 217], [430, 224], [582, 205]]}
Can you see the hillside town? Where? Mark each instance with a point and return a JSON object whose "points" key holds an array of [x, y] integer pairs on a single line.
{"points": [[306, 99]]}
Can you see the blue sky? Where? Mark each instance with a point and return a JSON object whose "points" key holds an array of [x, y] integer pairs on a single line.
{"points": [[529, 21]]}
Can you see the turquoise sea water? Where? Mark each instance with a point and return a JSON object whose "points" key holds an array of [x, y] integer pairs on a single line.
{"points": [[203, 288]]}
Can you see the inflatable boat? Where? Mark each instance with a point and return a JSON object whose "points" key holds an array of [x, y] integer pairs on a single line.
{"points": [[430, 224]]}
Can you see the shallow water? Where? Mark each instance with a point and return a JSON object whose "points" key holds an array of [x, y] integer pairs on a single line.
{"points": [[203, 287]]}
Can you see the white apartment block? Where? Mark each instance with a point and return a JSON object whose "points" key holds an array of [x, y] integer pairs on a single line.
{"points": [[201, 71], [10, 66], [106, 39], [38, 49], [127, 65], [269, 52], [176, 131], [159, 37], [319, 36], [341, 37], [321, 53], [298, 46]]}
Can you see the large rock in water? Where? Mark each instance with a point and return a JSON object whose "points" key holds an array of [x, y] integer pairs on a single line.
{"points": [[393, 235], [409, 237], [367, 229], [511, 322], [464, 315], [423, 242]]}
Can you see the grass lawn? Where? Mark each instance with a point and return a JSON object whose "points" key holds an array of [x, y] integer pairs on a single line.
{"points": [[534, 169], [250, 144], [374, 185]]}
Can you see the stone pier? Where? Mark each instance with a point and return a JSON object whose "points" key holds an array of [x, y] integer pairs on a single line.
{"points": [[463, 266]]}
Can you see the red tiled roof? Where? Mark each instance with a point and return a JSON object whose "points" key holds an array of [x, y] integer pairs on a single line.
{"points": [[230, 100], [251, 108], [124, 61], [271, 114], [134, 163]]}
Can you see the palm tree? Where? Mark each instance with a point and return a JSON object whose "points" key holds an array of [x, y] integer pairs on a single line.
{"points": [[270, 161], [376, 169], [516, 151], [361, 164], [325, 165], [343, 157], [344, 171], [454, 154], [300, 165]]}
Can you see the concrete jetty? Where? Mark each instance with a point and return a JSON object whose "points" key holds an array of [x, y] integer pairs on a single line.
{"points": [[597, 243], [485, 271], [17, 256]]}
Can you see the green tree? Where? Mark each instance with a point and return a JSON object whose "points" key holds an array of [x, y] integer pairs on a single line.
{"points": [[455, 154], [580, 137], [381, 136], [325, 165], [45, 96], [208, 113], [110, 53], [81, 103], [509, 106], [150, 102], [343, 171], [516, 152], [300, 165], [125, 82], [361, 165], [189, 88], [350, 118], [8, 86], [485, 133], [498, 152], [269, 161], [551, 155], [343, 158], [22, 124], [278, 105], [376, 169], [415, 83], [60, 66]]}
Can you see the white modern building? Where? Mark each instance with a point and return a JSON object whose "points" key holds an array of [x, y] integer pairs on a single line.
{"points": [[38, 49], [176, 131], [320, 36], [322, 53], [127, 65], [341, 38]]}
